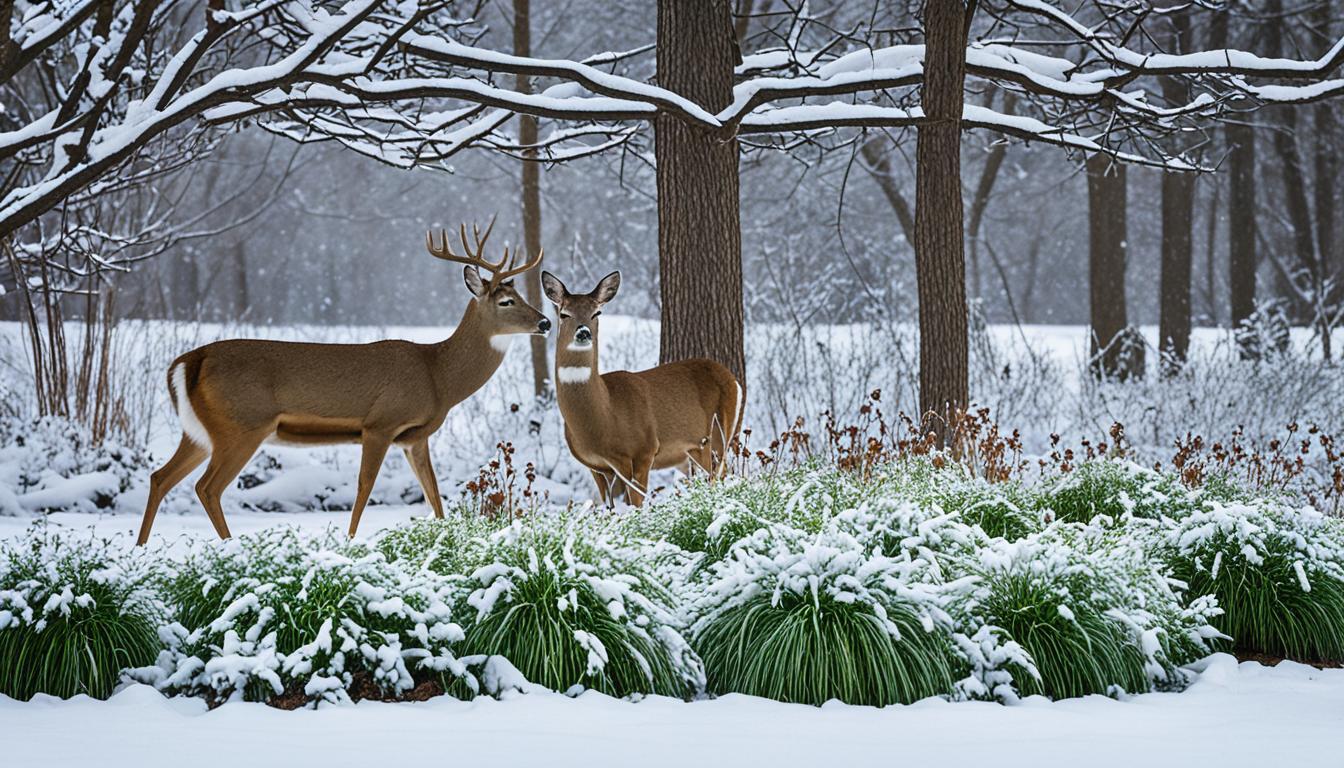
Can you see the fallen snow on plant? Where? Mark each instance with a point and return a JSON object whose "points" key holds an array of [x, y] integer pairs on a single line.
{"points": [[1233, 715]]}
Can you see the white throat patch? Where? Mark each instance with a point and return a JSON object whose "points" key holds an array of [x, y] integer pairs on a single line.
{"points": [[501, 343], [573, 374]]}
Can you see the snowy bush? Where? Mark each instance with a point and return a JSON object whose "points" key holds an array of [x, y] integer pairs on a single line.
{"points": [[1116, 489], [73, 614], [53, 464], [572, 606], [1092, 619], [1277, 572], [807, 618], [280, 615]]}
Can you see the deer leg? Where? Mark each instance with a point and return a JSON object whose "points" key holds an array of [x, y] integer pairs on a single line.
{"points": [[418, 456], [188, 456], [638, 487], [228, 459], [375, 449], [603, 485]]}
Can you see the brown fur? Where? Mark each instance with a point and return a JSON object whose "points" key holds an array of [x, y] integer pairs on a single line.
{"points": [[623, 424], [387, 393]]}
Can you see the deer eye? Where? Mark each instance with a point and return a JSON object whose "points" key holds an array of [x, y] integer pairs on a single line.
{"points": [[565, 315], [598, 312], [506, 303]]}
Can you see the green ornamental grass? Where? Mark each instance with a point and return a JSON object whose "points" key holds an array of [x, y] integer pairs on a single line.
{"points": [[570, 610], [1277, 573], [1077, 651], [811, 651], [73, 615]]}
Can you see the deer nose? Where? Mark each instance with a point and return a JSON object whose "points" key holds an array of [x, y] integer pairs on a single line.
{"points": [[544, 326], [583, 335]]}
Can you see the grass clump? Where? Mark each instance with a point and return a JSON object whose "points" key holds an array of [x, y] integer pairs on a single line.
{"points": [[806, 619], [445, 546], [1277, 572], [571, 608], [708, 518], [73, 615], [1118, 490], [1092, 620], [288, 619]]}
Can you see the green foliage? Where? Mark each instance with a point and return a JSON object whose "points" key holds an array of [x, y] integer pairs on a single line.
{"points": [[806, 617], [810, 651], [709, 517], [1277, 573], [570, 607], [276, 613], [1076, 654], [73, 615], [1093, 612], [445, 546]]}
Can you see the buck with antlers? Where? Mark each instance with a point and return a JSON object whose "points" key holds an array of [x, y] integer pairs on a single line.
{"points": [[623, 424], [233, 395]]}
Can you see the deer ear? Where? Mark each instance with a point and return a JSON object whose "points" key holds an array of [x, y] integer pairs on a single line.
{"points": [[555, 290], [475, 284], [607, 287]]}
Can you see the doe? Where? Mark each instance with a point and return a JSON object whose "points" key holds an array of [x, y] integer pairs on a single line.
{"points": [[622, 424]]}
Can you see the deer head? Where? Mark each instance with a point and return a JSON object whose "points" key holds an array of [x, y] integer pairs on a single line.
{"points": [[579, 312], [501, 308]]}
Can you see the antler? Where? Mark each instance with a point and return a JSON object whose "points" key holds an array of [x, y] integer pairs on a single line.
{"points": [[500, 270]]}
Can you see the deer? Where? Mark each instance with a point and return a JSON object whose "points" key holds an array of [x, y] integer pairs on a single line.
{"points": [[233, 395], [623, 424]]}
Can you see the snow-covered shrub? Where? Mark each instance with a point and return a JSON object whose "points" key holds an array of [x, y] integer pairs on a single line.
{"points": [[74, 613], [1119, 489], [54, 464], [708, 517], [803, 617], [450, 545], [571, 605], [1277, 572], [276, 614], [1093, 615]]}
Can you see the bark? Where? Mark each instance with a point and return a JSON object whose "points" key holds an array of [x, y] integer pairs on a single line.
{"points": [[699, 235], [1326, 174], [940, 260], [1113, 351], [1242, 229], [531, 194], [1241, 216], [1304, 301], [1178, 204]]}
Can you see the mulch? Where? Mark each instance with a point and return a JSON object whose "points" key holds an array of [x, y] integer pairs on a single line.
{"points": [[1270, 661]]}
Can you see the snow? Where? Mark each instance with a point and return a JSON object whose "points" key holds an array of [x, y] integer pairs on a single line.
{"points": [[1234, 715]]}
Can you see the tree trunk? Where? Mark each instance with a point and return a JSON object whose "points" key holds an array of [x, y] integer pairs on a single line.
{"points": [[1178, 207], [1241, 233], [699, 234], [1241, 214], [527, 134], [1331, 257], [1114, 351], [1178, 204], [940, 259]]}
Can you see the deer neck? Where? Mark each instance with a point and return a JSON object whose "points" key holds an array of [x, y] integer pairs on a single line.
{"points": [[468, 358], [579, 388]]}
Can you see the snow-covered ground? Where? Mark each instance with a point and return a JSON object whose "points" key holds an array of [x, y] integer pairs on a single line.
{"points": [[1234, 715]]}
